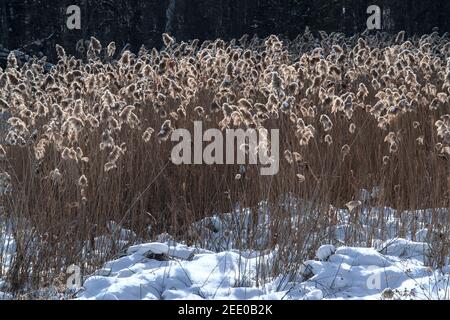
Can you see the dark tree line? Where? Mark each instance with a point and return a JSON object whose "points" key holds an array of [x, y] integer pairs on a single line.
{"points": [[35, 26]]}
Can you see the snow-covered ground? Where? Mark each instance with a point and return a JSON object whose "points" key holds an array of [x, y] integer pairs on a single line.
{"points": [[7, 250], [389, 268], [396, 270]]}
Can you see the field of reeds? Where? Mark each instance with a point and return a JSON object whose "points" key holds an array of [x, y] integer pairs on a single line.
{"points": [[86, 149]]}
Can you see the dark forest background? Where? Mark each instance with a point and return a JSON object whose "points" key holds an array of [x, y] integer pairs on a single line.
{"points": [[35, 26]]}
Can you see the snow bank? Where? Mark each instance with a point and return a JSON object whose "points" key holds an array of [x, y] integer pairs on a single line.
{"points": [[392, 269], [203, 275], [342, 273]]}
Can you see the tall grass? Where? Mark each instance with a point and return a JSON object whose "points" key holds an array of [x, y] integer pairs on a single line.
{"points": [[89, 142]]}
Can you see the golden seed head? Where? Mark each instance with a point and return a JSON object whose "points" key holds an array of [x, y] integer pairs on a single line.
{"points": [[345, 149], [328, 139], [148, 134], [326, 122], [82, 181], [351, 205], [288, 156], [352, 128], [300, 177], [56, 175]]}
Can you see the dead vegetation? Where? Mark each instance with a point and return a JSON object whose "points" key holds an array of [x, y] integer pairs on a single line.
{"points": [[89, 141]]}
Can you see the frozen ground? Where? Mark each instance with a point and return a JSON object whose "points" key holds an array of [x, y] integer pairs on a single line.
{"points": [[396, 270], [386, 269]]}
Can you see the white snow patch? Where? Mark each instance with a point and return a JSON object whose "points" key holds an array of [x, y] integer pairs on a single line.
{"points": [[325, 251], [154, 247], [348, 273]]}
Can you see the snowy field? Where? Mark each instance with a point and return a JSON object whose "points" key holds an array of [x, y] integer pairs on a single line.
{"points": [[179, 272], [391, 269]]}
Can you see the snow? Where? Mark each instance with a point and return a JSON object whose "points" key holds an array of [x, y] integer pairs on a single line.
{"points": [[7, 251], [314, 294], [402, 247], [384, 267], [325, 251], [155, 247], [342, 273]]}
